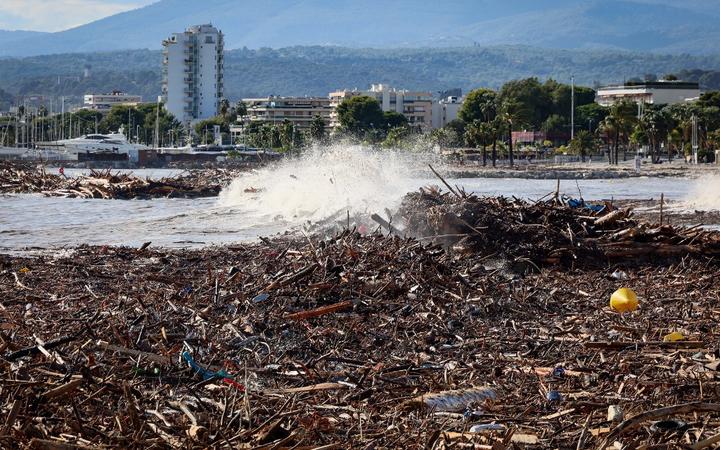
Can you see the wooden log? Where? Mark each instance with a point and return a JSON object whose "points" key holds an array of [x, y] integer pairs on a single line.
{"points": [[612, 217], [63, 390], [34, 350], [321, 311], [297, 276]]}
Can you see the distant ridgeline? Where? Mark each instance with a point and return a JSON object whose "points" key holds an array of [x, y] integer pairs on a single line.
{"points": [[317, 70]]}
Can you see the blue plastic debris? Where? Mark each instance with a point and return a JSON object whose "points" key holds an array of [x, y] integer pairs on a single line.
{"points": [[554, 396], [260, 298], [209, 374], [187, 290], [580, 203]]}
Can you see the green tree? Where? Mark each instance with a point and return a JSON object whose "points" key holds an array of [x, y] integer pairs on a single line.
{"points": [[318, 129], [583, 143], [445, 137], [560, 94], [555, 125], [396, 136], [618, 125], [526, 101], [656, 123], [480, 104], [480, 134], [393, 119], [205, 129], [590, 115], [287, 135], [124, 116], [241, 109], [360, 114]]}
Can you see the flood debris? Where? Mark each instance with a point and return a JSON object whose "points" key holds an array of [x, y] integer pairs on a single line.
{"points": [[107, 184], [375, 341], [546, 232]]}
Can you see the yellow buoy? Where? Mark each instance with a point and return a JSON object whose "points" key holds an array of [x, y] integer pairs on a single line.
{"points": [[624, 300], [674, 337]]}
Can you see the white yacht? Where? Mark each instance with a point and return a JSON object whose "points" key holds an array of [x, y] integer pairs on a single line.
{"points": [[97, 143]]}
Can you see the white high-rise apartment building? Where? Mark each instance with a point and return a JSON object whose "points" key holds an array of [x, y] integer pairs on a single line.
{"points": [[193, 73]]}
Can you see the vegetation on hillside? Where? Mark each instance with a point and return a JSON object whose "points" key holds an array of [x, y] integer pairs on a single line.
{"points": [[318, 70]]}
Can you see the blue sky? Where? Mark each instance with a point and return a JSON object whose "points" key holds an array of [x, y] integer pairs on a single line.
{"points": [[56, 15]]}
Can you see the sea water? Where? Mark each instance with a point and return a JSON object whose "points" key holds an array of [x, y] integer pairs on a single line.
{"points": [[323, 182]]}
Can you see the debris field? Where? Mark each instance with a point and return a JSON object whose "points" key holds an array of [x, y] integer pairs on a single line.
{"points": [[106, 184], [490, 330]]}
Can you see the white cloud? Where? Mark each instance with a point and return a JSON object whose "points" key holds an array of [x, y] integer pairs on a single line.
{"points": [[56, 15]]}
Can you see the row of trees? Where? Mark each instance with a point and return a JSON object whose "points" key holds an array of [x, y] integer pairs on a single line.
{"points": [[488, 118], [138, 123], [664, 129]]}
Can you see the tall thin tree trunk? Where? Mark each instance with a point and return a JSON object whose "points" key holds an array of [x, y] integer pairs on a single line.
{"points": [[494, 153], [484, 155], [617, 145], [511, 145]]}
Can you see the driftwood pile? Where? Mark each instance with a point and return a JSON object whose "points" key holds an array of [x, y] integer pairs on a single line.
{"points": [[352, 342], [106, 184], [546, 232]]}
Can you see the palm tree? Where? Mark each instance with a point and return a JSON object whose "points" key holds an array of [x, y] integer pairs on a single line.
{"points": [[480, 134], [611, 128], [618, 125], [656, 123], [583, 143]]}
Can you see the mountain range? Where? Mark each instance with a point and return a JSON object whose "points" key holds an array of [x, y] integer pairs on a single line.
{"points": [[660, 26]]}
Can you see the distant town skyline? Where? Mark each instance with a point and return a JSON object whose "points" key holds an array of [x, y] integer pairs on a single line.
{"points": [[58, 15]]}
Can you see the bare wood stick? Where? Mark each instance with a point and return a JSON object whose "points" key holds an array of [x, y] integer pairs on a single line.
{"points": [[65, 389], [321, 311], [34, 350], [299, 275], [662, 201], [705, 443], [128, 351], [662, 344], [637, 421], [10, 419], [385, 224], [444, 182]]}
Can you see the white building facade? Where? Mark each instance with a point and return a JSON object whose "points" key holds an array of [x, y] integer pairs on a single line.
{"points": [[193, 73], [445, 111], [415, 106], [105, 102], [655, 92], [300, 111]]}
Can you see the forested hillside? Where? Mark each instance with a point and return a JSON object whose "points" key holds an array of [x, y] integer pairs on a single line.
{"points": [[318, 70]]}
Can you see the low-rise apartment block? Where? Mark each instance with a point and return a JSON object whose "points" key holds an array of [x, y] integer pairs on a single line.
{"points": [[105, 102], [445, 111], [415, 106], [300, 111], [652, 92]]}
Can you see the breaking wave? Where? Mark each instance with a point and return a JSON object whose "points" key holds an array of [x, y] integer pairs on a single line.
{"points": [[704, 193], [326, 181]]}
